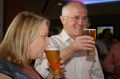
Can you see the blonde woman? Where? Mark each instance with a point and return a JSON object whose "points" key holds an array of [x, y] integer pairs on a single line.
{"points": [[25, 40]]}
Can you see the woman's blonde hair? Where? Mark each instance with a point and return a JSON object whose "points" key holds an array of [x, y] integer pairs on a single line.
{"points": [[22, 30]]}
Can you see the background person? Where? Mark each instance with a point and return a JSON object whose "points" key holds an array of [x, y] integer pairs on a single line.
{"points": [[111, 63]]}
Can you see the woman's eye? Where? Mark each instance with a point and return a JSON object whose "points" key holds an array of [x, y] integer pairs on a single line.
{"points": [[45, 36]]}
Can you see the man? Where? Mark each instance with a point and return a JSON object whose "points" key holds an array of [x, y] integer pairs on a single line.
{"points": [[73, 45]]}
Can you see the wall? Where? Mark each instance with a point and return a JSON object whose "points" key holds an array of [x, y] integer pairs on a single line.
{"points": [[11, 8], [1, 18]]}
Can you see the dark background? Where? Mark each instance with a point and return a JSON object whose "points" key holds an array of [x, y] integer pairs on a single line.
{"points": [[100, 14]]}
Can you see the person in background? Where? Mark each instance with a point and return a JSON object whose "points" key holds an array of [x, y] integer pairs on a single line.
{"points": [[74, 46], [25, 40], [111, 63], [101, 47], [107, 37]]}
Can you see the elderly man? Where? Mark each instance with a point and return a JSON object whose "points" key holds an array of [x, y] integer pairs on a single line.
{"points": [[74, 46]]}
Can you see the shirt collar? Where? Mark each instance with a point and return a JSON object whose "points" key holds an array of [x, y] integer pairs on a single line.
{"points": [[65, 36]]}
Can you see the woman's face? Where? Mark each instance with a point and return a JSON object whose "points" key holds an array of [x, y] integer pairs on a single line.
{"points": [[39, 43]]}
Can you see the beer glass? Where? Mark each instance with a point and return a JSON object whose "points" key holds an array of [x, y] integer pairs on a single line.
{"points": [[53, 56], [90, 32]]}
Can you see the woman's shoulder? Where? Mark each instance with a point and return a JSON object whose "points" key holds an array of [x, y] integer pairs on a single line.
{"points": [[12, 70]]}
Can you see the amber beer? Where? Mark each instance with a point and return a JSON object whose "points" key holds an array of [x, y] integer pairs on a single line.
{"points": [[90, 32], [53, 56]]}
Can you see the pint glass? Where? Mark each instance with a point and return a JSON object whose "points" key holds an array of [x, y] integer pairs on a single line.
{"points": [[90, 32], [53, 56]]}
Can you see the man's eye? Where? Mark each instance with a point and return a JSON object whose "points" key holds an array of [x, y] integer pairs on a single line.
{"points": [[85, 17], [78, 17]]}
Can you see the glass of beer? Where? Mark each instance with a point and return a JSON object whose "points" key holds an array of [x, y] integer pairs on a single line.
{"points": [[90, 32], [53, 56]]}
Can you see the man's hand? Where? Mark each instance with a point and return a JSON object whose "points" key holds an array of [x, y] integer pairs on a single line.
{"points": [[83, 43]]}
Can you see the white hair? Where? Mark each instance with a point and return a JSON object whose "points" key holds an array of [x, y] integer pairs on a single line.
{"points": [[69, 5]]}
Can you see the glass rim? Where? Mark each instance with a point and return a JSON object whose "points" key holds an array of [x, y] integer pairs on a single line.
{"points": [[51, 49], [89, 29]]}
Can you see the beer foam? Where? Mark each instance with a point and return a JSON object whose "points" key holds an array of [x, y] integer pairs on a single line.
{"points": [[89, 29], [51, 49]]}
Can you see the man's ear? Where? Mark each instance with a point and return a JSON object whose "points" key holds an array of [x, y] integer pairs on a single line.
{"points": [[62, 19]]}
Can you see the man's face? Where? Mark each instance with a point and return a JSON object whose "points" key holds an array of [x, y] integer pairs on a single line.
{"points": [[75, 21]]}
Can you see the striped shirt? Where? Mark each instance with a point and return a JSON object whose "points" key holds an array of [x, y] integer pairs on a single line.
{"points": [[77, 67]]}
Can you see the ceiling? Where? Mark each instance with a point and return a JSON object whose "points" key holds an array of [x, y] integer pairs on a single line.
{"points": [[92, 1], [52, 8]]}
